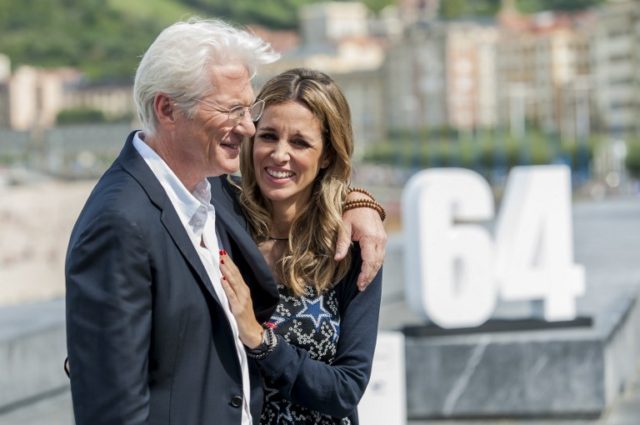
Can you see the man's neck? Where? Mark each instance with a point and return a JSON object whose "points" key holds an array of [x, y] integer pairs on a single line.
{"points": [[173, 159]]}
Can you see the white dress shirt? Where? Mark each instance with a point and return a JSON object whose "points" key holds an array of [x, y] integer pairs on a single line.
{"points": [[198, 217]]}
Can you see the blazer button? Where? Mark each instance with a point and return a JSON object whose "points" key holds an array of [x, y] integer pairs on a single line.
{"points": [[236, 401]]}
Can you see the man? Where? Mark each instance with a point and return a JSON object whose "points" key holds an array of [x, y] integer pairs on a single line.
{"points": [[150, 336]]}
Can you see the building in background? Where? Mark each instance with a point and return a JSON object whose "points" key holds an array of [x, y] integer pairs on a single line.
{"points": [[324, 24], [539, 60], [615, 65], [405, 70], [442, 74], [387, 25], [32, 98], [35, 96], [471, 76], [350, 55], [414, 76], [5, 73], [114, 100], [412, 11], [5, 67]]}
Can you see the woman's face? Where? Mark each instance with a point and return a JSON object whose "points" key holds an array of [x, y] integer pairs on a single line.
{"points": [[288, 153]]}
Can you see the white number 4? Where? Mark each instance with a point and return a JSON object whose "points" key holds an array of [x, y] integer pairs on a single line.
{"points": [[455, 271]]}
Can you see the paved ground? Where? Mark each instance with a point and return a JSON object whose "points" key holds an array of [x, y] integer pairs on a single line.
{"points": [[56, 410]]}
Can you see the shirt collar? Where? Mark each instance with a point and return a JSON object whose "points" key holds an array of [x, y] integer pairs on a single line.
{"points": [[192, 207]]}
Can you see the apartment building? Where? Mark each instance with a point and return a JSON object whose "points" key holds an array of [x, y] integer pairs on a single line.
{"points": [[539, 59], [329, 22], [414, 75], [412, 11], [115, 100], [32, 97], [442, 74], [615, 64]]}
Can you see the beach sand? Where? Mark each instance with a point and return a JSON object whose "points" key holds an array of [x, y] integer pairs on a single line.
{"points": [[35, 223]]}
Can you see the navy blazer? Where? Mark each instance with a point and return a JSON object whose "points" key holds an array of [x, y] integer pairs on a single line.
{"points": [[148, 341]]}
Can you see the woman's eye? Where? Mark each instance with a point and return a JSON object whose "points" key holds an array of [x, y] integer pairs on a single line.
{"points": [[300, 143], [267, 136]]}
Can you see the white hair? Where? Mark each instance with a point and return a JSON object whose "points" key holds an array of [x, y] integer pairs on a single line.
{"points": [[178, 60]]}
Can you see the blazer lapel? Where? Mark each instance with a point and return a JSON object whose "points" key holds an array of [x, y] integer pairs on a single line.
{"points": [[135, 165], [263, 287]]}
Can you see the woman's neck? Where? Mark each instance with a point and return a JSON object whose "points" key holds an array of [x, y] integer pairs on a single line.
{"points": [[282, 217], [278, 239], [272, 251]]}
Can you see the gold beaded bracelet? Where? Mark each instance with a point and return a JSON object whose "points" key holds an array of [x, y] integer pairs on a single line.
{"points": [[361, 190], [372, 203], [365, 203]]}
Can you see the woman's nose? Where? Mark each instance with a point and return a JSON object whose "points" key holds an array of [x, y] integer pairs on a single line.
{"points": [[280, 152]]}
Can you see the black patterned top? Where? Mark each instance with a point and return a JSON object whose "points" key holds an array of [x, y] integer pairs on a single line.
{"points": [[320, 367], [310, 322]]}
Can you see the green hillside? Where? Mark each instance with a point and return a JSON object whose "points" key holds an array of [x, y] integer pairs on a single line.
{"points": [[105, 38], [465, 8]]}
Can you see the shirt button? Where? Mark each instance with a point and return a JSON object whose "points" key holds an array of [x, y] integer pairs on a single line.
{"points": [[236, 401]]}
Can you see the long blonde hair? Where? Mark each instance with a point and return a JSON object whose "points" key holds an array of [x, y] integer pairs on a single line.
{"points": [[308, 259]]}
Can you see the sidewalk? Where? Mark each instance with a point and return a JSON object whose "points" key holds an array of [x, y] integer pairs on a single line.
{"points": [[57, 411]]}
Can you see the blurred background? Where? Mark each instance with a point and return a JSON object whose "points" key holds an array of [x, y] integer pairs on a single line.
{"points": [[479, 84]]}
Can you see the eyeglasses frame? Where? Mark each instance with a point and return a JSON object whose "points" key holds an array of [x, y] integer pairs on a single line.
{"points": [[242, 110]]}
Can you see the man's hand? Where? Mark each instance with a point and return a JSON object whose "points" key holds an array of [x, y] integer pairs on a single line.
{"points": [[364, 226]]}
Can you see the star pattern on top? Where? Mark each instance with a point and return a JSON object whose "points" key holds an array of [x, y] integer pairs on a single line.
{"points": [[284, 415], [314, 310], [335, 324]]}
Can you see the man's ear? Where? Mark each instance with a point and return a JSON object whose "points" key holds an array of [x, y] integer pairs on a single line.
{"points": [[164, 109]]}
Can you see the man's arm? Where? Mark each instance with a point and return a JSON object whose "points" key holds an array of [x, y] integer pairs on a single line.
{"points": [[108, 322], [363, 225]]}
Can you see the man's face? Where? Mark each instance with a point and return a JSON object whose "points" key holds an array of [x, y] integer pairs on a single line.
{"points": [[211, 138]]}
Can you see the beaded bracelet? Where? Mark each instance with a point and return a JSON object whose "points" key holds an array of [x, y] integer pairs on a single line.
{"points": [[361, 190], [372, 203], [365, 203]]}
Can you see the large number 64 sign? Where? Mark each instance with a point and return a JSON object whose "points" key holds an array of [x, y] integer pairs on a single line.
{"points": [[456, 271]]}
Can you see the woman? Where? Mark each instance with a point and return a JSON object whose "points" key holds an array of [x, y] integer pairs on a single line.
{"points": [[315, 354]]}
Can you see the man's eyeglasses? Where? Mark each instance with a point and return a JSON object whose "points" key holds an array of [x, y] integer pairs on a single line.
{"points": [[236, 114]]}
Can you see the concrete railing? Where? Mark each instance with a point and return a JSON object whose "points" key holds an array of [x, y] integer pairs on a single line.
{"points": [[32, 351]]}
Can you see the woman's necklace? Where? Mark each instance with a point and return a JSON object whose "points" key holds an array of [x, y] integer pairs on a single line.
{"points": [[278, 239]]}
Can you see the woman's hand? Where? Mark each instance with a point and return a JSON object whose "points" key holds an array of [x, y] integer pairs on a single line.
{"points": [[239, 297]]}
